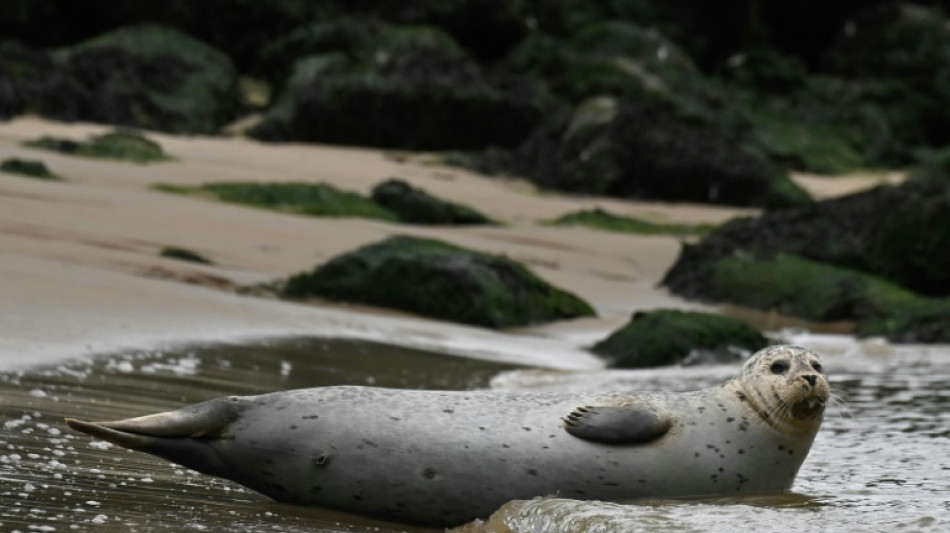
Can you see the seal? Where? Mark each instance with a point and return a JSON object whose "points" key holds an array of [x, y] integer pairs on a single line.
{"points": [[442, 458]]}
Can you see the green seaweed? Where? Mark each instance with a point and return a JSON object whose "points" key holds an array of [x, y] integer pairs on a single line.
{"points": [[316, 199], [794, 142], [28, 167], [600, 219], [817, 291]]}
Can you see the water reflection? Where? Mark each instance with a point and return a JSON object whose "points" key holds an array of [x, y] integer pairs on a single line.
{"points": [[880, 465]]}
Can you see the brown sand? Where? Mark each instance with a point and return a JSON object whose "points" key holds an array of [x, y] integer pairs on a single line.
{"points": [[80, 271]]}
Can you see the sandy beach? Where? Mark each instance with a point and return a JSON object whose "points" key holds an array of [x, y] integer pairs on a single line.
{"points": [[81, 272]]}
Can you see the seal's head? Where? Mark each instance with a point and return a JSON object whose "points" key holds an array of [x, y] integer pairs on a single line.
{"points": [[786, 386]]}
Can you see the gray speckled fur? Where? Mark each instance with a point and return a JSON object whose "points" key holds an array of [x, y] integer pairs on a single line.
{"points": [[443, 458]]}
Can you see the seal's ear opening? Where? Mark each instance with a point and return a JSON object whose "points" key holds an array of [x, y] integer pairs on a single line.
{"points": [[616, 425]]}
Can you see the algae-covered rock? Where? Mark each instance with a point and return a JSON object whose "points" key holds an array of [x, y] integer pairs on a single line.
{"points": [[898, 233], [27, 167], [24, 71], [609, 58], [416, 206], [485, 28], [147, 77], [408, 88], [791, 139], [898, 55], [815, 291], [876, 258], [121, 145], [808, 289], [316, 199], [645, 151], [670, 336], [435, 279]]}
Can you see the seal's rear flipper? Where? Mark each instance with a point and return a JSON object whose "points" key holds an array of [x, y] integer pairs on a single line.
{"points": [[206, 419], [184, 436], [132, 441], [616, 425]]}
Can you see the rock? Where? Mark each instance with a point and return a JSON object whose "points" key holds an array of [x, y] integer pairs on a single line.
{"points": [[766, 69], [416, 206], [438, 280], [121, 145], [896, 53], [237, 27], [875, 258], [410, 88], [23, 74], [645, 151], [487, 29], [147, 77], [818, 292], [925, 328], [610, 58], [670, 336], [898, 233]]}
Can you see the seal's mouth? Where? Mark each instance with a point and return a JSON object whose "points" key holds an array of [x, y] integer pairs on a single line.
{"points": [[808, 409]]}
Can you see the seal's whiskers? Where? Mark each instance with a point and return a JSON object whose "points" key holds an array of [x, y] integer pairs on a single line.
{"points": [[839, 401]]}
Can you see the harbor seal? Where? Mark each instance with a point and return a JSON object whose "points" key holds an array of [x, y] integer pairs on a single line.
{"points": [[441, 458]]}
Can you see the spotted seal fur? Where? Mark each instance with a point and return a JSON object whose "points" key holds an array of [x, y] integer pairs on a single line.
{"points": [[442, 458]]}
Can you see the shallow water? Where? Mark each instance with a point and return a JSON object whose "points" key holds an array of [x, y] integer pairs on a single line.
{"points": [[882, 464], [879, 463]]}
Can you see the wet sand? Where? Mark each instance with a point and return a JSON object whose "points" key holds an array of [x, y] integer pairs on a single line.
{"points": [[81, 272]]}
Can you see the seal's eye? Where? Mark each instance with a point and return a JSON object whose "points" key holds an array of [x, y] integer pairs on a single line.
{"points": [[817, 366], [779, 367]]}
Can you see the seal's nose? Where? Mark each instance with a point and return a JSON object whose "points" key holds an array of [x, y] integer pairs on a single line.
{"points": [[811, 379]]}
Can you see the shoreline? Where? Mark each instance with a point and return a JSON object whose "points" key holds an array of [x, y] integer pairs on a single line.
{"points": [[82, 275]]}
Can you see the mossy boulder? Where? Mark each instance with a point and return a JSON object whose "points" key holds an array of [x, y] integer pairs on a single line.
{"points": [[898, 55], [821, 292], [148, 77], [416, 206], [796, 139], [407, 88], [638, 150], [876, 258], [898, 233], [608, 58], [669, 336], [354, 39], [316, 199], [24, 71], [487, 29], [438, 280], [120, 145], [30, 168]]}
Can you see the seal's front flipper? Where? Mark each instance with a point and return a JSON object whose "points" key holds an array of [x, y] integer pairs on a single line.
{"points": [[616, 425]]}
